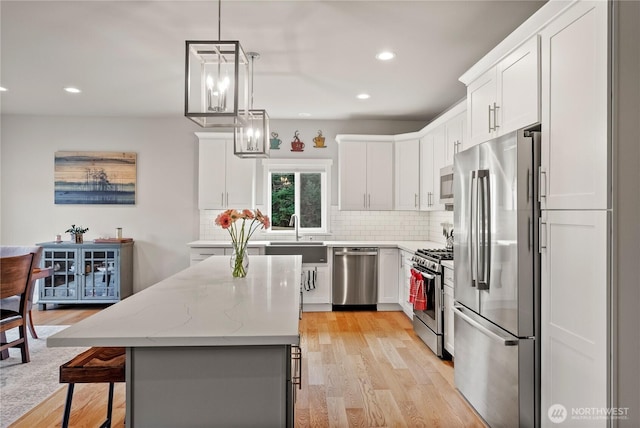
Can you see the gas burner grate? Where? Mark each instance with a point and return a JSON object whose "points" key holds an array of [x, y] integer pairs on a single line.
{"points": [[436, 253]]}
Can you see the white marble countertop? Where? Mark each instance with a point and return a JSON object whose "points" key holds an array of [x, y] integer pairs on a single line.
{"points": [[410, 246], [202, 306]]}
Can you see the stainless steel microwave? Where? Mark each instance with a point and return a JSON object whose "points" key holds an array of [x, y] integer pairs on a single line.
{"points": [[446, 185]]}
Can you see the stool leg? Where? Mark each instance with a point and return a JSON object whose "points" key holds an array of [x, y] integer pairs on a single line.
{"points": [[107, 423], [67, 407]]}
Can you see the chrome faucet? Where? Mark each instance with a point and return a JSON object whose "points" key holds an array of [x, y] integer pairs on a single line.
{"points": [[294, 222]]}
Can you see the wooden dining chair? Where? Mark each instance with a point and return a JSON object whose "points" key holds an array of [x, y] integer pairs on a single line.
{"points": [[15, 280], [13, 303]]}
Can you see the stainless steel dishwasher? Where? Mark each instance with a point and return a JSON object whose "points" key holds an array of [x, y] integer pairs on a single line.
{"points": [[355, 278]]}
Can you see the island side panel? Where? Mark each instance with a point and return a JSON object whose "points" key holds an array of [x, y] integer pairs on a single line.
{"points": [[208, 386]]}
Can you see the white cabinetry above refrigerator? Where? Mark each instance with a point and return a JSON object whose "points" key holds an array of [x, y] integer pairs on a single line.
{"points": [[505, 97]]}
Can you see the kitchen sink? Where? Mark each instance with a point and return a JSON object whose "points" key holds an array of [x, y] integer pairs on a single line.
{"points": [[311, 251]]}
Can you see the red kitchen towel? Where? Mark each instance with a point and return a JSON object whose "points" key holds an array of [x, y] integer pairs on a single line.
{"points": [[413, 285], [420, 303]]}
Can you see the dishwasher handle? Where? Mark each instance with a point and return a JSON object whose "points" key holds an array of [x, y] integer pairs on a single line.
{"points": [[354, 251]]}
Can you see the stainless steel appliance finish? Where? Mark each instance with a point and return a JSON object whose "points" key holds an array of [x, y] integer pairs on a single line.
{"points": [[355, 276], [429, 323], [446, 185], [497, 279]]}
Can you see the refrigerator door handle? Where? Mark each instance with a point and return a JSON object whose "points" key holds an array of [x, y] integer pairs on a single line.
{"points": [[506, 340], [484, 229], [470, 246]]}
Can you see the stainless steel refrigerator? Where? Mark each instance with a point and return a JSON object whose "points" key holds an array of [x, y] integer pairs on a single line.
{"points": [[496, 287]]}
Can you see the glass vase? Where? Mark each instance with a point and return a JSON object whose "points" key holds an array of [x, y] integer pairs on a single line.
{"points": [[239, 263]]}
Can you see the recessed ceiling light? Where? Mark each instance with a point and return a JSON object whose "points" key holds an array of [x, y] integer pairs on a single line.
{"points": [[385, 55], [304, 114], [3, 89], [72, 90], [363, 96]]}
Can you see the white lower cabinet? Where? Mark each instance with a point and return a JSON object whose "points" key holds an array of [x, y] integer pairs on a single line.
{"points": [[574, 283], [316, 287], [388, 275], [448, 310], [198, 254], [404, 279]]}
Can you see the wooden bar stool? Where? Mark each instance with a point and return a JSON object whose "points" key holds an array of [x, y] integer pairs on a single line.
{"points": [[95, 365]]}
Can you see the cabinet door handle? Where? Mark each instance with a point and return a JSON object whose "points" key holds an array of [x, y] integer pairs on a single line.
{"points": [[369, 204], [542, 233], [495, 117], [489, 116], [364, 200], [222, 199], [542, 187], [415, 200]]}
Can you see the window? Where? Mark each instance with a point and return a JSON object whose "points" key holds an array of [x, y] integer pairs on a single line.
{"points": [[301, 189]]}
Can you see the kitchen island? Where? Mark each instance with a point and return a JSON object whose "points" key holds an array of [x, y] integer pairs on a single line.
{"points": [[203, 348]]}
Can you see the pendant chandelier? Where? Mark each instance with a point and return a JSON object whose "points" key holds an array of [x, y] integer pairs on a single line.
{"points": [[252, 140], [216, 82]]}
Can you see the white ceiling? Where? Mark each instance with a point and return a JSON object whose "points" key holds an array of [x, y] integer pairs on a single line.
{"points": [[316, 56]]}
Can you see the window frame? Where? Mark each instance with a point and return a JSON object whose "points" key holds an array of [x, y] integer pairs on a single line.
{"points": [[297, 167]]}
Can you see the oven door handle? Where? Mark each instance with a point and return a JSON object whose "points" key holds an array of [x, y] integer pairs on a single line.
{"points": [[423, 273]]}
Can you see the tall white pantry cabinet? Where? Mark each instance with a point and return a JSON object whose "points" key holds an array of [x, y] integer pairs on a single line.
{"points": [[574, 228], [555, 72]]}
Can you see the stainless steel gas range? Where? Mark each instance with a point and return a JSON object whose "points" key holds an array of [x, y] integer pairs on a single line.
{"points": [[429, 323]]}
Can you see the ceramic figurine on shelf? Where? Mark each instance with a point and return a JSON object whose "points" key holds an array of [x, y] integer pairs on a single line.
{"points": [[275, 141], [319, 141], [296, 144]]}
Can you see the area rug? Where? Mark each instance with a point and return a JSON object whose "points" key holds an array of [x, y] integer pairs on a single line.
{"points": [[23, 386]]}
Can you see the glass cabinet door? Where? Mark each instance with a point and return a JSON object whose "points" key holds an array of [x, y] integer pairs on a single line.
{"points": [[63, 284], [101, 273]]}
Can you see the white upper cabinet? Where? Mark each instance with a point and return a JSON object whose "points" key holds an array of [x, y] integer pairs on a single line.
{"points": [[380, 176], [224, 180], [432, 158], [455, 131], [481, 94], [407, 175], [353, 175], [506, 97], [574, 110], [365, 174]]}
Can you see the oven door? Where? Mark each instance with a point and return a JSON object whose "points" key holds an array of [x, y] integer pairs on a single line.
{"points": [[432, 316]]}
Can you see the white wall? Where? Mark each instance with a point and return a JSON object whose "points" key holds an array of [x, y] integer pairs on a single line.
{"points": [[165, 216]]}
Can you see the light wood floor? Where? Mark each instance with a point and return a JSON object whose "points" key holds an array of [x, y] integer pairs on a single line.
{"points": [[360, 369]]}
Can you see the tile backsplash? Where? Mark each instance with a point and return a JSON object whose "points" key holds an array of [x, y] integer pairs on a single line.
{"points": [[357, 226]]}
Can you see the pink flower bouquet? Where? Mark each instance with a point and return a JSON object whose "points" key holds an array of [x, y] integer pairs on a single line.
{"points": [[241, 233]]}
